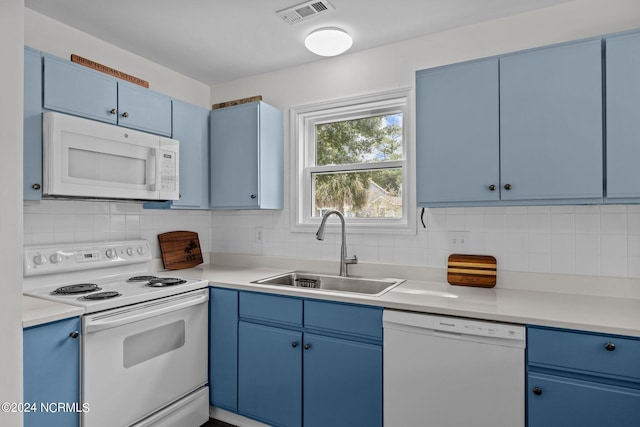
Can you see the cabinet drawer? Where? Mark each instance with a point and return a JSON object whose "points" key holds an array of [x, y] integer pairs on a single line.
{"points": [[344, 318], [271, 308], [577, 351]]}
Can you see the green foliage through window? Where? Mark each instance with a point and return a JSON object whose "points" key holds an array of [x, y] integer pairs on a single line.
{"points": [[373, 193]]}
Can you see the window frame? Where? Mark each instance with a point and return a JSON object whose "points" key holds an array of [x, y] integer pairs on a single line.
{"points": [[302, 141]]}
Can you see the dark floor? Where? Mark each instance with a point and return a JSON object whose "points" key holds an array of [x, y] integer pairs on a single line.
{"points": [[216, 423]]}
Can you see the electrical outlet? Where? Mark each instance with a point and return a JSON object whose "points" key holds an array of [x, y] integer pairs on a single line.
{"points": [[458, 241], [258, 235]]}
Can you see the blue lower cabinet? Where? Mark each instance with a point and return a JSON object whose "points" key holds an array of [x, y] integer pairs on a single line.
{"points": [[555, 401], [577, 378], [342, 383], [293, 362], [223, 348], [269, 374], [52, 374]]}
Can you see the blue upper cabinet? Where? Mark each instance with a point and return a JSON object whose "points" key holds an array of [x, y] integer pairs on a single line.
{"points": [[551, 124], [75, 89], [457, 133], [622, 61], [51, 372], [191, 128], [519, 129], [143, 109], [32, 145], [246, 152]]}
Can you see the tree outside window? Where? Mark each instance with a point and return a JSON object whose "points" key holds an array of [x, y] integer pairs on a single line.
{"points": [[372, 193]]}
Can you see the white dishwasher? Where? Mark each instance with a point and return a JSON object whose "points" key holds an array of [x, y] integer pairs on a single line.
{"points": [[452, 372]]}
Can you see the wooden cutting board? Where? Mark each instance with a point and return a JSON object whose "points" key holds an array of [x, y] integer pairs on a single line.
{"points": [[180, 249], [472, 270]]}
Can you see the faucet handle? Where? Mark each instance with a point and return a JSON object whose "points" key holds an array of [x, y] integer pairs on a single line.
{"points": [[351, 260]]}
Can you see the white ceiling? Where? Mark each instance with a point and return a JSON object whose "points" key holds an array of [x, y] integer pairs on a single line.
{"points": [[214, 41]]}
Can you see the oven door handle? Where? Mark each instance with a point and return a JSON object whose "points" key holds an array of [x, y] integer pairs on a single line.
{"points": [[124, 316]]}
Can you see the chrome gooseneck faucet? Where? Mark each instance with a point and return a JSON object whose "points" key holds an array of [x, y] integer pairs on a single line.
{"points": [[344, 260]]}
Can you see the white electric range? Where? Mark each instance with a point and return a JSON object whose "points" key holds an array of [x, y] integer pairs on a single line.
{"points": [[144, 335]]}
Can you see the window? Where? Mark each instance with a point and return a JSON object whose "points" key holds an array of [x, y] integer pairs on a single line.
{"points": [[351, 155]]}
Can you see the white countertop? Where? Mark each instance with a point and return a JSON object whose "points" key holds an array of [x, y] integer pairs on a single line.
{"points": [[36, 311], [595, 313], [615, 315]]}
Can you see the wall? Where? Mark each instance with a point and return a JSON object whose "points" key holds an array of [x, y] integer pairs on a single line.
{"points": [[586, 240], [11, 78], [63, 221]]}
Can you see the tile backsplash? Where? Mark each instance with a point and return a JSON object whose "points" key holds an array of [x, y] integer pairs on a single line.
{"points": [[582, 240], [67, 221]]}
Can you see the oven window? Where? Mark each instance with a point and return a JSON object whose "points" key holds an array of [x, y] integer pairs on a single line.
{"points": [[152, 343]]}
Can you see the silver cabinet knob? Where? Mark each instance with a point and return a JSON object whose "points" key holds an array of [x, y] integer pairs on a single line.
{"points": [[113, 111], [125, 114]]}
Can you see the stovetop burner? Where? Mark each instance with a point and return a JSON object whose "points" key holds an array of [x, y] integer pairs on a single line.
{"points": [[141, 278], [80, 288], [101, 295], [161, 282]]}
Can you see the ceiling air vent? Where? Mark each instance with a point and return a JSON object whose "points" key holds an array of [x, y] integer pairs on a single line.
{"points": [[304, 11]]}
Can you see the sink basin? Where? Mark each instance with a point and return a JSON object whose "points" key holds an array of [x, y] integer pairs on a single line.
{"points": [[323, 282]]}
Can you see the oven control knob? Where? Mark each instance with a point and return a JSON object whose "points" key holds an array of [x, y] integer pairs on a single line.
{"points": [[39, 259], [141, 250], [55, 258], [130, 251], [111, 253]]}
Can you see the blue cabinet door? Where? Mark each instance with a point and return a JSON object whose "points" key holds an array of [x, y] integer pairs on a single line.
{"points": [[75, 89], [191, 128], [270, 374], [457, 133], [223, 348], [622, 55], [143, 109], [32, 126], [234, 157], [342, 383], [246, 150], [555, 401], [51, 372], [551, 124]]}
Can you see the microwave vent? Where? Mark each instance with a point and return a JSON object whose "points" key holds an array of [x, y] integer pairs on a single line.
{"points": [[304, 11]]}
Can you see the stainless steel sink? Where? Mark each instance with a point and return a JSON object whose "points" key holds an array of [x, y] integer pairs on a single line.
{"points": [[311, 281]]}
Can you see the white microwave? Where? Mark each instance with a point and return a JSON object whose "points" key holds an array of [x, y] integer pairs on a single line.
{"points": [[89, 159]]}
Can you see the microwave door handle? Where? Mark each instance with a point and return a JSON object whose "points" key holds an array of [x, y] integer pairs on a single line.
{"points": [[149, 310], [152, 161]]}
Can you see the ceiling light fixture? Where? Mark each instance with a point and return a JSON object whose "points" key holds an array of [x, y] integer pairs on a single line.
{"points": [[328, 41]]}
